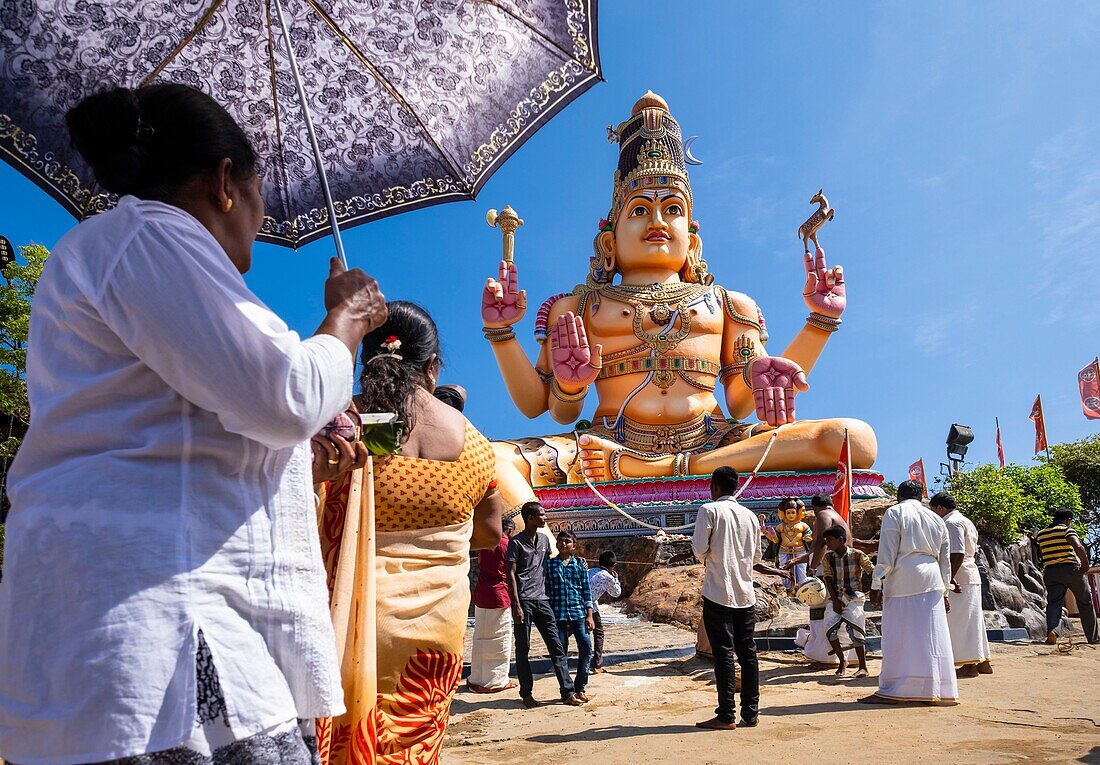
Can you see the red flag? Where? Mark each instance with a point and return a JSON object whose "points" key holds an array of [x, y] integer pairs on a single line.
{"points": [[1089, 381], [842, 487], [1000, 445], [916, 473], [1036, 416]]}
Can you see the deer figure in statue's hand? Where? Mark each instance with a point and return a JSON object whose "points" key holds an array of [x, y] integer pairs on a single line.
{"points": [[813, 224]]}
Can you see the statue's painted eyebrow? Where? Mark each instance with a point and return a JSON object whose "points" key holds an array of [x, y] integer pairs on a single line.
{"points": [[654, 195]]}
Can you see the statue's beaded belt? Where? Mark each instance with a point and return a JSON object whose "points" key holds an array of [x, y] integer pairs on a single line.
{"points": [[659, 364]]}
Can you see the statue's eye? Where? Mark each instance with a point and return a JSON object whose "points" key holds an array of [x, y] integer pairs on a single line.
{"points": [[674, 210], [640, 210]]}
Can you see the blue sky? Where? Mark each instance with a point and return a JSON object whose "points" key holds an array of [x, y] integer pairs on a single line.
{"points": [[958, 142]]}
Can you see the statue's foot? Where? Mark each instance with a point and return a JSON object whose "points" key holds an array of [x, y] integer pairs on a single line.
{"points": [[597, 456]]}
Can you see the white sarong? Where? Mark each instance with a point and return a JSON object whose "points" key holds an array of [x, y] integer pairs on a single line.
{"points": [[967, 625], [917, 661], [852, 618], [817, 648], [492, 648]]}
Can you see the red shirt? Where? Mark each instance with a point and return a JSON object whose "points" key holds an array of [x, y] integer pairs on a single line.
{"points": [[492, 577]]}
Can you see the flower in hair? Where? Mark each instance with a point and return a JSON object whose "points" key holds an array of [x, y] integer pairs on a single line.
{"points": [[391, 343]]}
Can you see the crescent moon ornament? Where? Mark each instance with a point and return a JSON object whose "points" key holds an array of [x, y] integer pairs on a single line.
{"points": [[691, 160]]}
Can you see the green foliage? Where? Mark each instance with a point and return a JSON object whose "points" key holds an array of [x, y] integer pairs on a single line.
{"points": [[1047, 485], [890, 488], [1016, 499], [993, 501], [1079, 461], [16, 292]]}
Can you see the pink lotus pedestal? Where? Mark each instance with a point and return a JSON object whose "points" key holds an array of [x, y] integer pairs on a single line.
{"points": [[671, 502]]}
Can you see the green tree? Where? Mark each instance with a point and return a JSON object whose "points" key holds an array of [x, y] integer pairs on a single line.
{"points": [[993, 501], [1047, 485], [16, 292], [1080, 462], [1016, 499]]}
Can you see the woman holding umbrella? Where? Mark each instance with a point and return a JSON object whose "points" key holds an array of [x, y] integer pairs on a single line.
{"points": [[163, 587]]}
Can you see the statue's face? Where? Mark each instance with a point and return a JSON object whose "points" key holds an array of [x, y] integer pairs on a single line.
{"points": [[791, 515], [652, 231]]}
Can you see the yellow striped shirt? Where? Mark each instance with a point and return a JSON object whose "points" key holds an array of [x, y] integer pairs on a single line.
{"points": [[1054, 545]]}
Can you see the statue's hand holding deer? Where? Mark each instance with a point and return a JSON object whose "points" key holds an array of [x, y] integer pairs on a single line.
{"points": [[824, 292], [775, 381], [503, 303], [575, 364]]}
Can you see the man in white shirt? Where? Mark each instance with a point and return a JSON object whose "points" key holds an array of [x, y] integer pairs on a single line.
{"points": [[727, 541], [910, 581], [965, 619]]}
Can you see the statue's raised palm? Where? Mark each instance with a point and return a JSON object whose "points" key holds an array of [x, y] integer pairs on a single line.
{"points": [[824, 291], [502, 301], [575, 363], [774, 383]]}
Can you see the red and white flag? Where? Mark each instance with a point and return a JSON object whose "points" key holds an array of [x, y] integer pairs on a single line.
{"points": [[1036, 416], [916, 473], [842, 487], [1000, 445], [1088, 379]]}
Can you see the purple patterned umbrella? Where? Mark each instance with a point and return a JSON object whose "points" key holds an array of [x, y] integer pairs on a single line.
{"points": [[413, 102]]}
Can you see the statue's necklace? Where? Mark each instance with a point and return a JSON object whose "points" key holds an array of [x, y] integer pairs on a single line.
{"points": [[665, 304]]}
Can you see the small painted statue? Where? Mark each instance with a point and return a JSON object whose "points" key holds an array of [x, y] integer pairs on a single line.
{"points": [[793, 535]]}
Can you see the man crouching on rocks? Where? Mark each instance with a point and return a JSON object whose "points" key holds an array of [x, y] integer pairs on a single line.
{"points": [[727, 541]]}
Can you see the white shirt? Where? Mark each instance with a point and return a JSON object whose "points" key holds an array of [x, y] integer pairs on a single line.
{"points": [[601, 582], [962, 537], [727, 540], [913, 553], [163, 487]]}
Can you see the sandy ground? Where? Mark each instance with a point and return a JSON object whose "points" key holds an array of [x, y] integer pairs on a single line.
{"points": [[1040, 706]]}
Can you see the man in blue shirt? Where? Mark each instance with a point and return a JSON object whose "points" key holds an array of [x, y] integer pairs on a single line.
{"points": [[571, 599]]}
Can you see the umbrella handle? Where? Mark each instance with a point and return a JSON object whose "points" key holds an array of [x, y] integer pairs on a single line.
{"points": [[312, 135]]}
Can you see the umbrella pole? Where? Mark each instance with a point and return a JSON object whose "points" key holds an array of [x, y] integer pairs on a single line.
{"points": [[312, 136]]}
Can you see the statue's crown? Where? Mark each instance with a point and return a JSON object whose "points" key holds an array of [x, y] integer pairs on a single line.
{"points": [[651, 152]]}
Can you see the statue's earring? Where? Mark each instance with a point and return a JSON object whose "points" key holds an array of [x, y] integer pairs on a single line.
{"points": [[228, 205]]}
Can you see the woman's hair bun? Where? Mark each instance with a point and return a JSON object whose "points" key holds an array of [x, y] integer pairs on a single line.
{"points": [[106, 129], [152, 141]]}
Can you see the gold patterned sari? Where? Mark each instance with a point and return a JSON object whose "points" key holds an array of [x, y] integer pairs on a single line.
{"points": [[402, 610]]}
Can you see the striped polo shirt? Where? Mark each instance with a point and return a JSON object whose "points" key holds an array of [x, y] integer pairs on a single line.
{"points": [[1054, 545]]}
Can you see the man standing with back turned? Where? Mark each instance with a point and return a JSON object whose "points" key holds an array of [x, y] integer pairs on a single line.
{"points": [[1065, 563], [727, 541], [911, 579]]}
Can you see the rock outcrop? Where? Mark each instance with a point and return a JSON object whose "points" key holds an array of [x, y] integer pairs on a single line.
{"points": [[671, 595], [1012, 585]]}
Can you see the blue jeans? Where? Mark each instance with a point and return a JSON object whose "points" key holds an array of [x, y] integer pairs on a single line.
{"points": [[579, 630]]}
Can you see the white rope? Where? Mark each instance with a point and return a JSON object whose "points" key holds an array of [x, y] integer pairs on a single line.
{"points": [[736, 495]]}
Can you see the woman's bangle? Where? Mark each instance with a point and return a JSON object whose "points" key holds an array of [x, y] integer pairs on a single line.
{"points": [[567, 398]]}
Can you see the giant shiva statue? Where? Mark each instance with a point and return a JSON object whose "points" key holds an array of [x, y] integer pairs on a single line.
{"points": [[656, 341]]}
